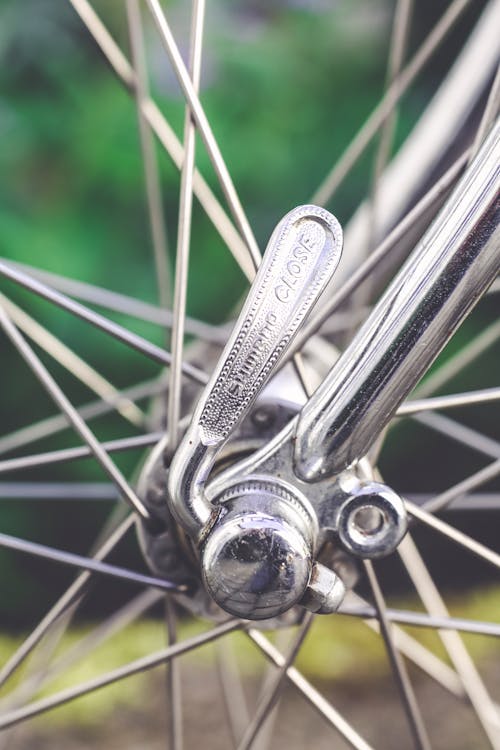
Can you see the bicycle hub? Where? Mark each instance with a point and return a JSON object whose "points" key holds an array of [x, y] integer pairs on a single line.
{"points": [[257, 526]]}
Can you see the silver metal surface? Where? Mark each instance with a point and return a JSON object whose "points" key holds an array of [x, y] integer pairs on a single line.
{"points": [[372, 521], [454, 262], [325, 591], [311, 457], [256, 563], [302, 254], [184, 233]]}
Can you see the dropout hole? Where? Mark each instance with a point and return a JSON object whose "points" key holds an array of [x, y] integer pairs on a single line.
{"points": [[368, 520]]}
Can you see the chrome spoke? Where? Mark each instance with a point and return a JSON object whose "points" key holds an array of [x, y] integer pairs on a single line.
{"points": [[459, 361], [235, 703], [184, 231], [174, 695], [85, 563], [397, 48], [421, 656], [72, 454], [451, 401], [122, 303], [283, 641], [473, 685], [421, 620], [450, 532], [98, 321], [74, 364], [461, 488], [102, 632], [410, 705], [58, 491], [313, 696], [72, 415], [151, 176], [52, 425], [435, 194], [70, 596], [420, 158], [99, 634], [460, 433], [475, 502], [374, 122], [272, 694], [204, 129], [165, 134], [139, 665]]}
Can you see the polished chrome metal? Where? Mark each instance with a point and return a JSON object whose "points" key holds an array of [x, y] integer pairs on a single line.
{"points": [[257, 561], [301, 256], [453, 264], [325, 591], [343, 505], [372, 521]]}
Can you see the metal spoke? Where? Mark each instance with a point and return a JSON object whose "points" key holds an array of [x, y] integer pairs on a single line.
{"points": [[461, 488], [165, 134], [174, 695], [232, 689], [420, 158], [72, 454], [70, 596], [148, 153], [117, 622], [263, 740], [476, 502], [397, 47], [313, 696], [72, 415], [451, 401], [52, 425], [184, 231], [85, 563], [135, 667], [122, 303], [421, 620], [374, 122], [101, 633], [401, 678], [40, 660], [58, 491], [421, 656], [464, 357], [99, 321], [473, 685], [472, 439], [204, 128], [453, 534], [78, 367], [272, 694], [435, 194]]}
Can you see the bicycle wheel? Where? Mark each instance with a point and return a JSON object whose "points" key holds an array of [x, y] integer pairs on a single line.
{"points": [[425, 457]]}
